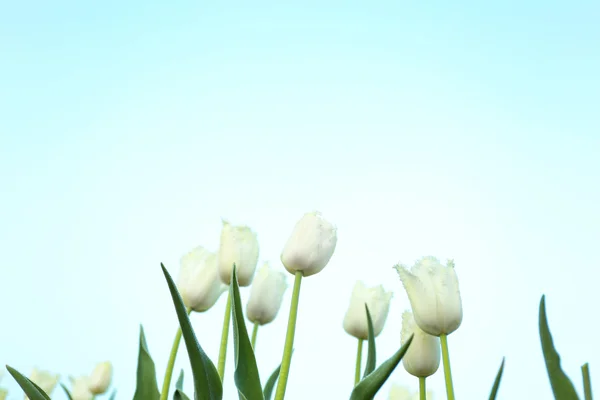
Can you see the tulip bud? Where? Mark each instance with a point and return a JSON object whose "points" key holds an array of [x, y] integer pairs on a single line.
{"points": [[3, 394], [310, 246], [198, 282], [239, 246], [398, 392], [422, 359], [80, 389], [44, 379], [100, 379], [266, 294], [378, 301], [434, 295]]}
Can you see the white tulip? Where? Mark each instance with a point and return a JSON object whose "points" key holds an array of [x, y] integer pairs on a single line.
{"points": [[398, 392], [378, 301], [239, 246], [3, 394], [310, 246], [266, 294], [198, 282], [422, 358], [100, 378], [45, 380], [80, 389], [434, 295]]}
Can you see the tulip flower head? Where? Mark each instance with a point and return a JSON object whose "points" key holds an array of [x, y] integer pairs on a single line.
{"points": [[422, 359], [100, 378], [378, 301], [310, 246], [80, 389], [45, 380], [434, 295], [198, 282], [239, 246], [266, 294]]}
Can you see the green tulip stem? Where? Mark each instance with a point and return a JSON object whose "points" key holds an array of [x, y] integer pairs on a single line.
{"points": [[422, 389], [224, 337], [358, 362], [171, 364], [254, 333], [289, 339], [587, 385], [447, 371]]}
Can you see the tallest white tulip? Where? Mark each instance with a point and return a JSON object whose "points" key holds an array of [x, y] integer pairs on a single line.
{"points": [[239, 246], [310, 245]]}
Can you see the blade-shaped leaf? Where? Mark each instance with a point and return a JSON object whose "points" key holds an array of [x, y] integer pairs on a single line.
{"points": [[368, 387], [179, 383], [372, 354], [179, 395], [497, 381], [146, 386], [207, 383], [113, 395], [587, 384], [562, 387], [270, 385], [246, 374], [67, 392], [33, 391]]}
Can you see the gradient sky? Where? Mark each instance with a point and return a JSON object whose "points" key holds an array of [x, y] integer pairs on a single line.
{"points": [[464, 130]]}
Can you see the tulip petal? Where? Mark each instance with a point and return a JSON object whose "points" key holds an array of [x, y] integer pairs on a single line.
{"points": [[562, 387], [497, 381], [33, 391], [246, 376]]}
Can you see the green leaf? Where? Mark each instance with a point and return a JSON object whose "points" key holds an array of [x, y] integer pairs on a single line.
{"points": [[67, 391], [587, 384], [207, 383], [372, 356], [113, 395], [179, 395], [146, 386], [179, 384], [562, 387], [246, 374], [497, 381], [33, 391], [270, 385], [369, 385]]}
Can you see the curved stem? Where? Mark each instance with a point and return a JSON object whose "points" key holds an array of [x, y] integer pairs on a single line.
{"points": [[289, 339], [254, 333], [358, 362], [171, 363], [422, 389], [447, 372], [224, 337]]}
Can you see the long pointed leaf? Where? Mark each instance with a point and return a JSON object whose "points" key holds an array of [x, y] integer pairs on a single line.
{"points": [[179, 384], [179, 395], [246, 374], [370, 385], [207, 383], [372, 354], [33, 391], [587, 384], [497, 381], [113, 395], [270, 385], [562, 387], [146, 387], [70, 397]]}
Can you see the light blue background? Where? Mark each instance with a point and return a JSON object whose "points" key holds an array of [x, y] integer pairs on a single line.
{"points": [[464, 130]]}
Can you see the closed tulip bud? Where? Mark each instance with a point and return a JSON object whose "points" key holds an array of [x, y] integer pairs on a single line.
{"points": [[378, 301], [434, 296], [422, 358], [100, 379], [45, 380], [239, 246], [266, 294], [80, 389], [198, 282], [310, 246]]}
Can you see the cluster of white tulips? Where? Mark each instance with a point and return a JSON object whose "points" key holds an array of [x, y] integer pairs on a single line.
{"points": [[432, 289]]}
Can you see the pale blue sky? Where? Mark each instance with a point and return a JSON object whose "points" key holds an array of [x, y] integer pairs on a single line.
{"points": [[464, 130]]}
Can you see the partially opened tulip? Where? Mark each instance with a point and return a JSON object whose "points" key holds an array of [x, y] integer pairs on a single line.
{"points": [[422, 359], [45, 380], [239, 246], [99, 380], [266, 294], [355, 321], [434, 295], [198, 282], [80, 389]]}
